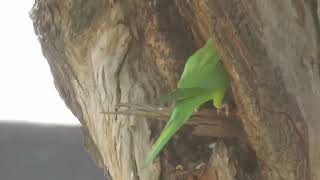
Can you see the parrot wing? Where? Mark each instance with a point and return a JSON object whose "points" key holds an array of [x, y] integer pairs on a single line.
{"points": [[217, 79], [197, 76], [199, 68]]}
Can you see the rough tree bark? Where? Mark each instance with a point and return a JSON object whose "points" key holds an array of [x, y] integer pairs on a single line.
{"points": [[105, 52]]}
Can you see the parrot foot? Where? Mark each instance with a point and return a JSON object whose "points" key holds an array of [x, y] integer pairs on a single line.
{"points": [[226, 109]]}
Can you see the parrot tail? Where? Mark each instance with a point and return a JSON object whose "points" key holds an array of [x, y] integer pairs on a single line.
{"points": [[182, 111]]}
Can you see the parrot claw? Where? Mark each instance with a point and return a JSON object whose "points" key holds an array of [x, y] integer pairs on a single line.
{"points": [[224, 106]]}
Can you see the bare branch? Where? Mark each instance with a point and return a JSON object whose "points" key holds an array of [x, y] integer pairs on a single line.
{"points": [[205, 122]]}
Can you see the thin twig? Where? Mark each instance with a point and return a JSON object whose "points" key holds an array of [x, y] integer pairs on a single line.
{"points": [[205, 122]]}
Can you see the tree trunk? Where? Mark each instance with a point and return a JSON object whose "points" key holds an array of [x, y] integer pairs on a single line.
{"points": [[106, 52]]}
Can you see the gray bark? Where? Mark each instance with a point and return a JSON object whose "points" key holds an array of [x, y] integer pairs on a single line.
{"points": [[102, 53]]}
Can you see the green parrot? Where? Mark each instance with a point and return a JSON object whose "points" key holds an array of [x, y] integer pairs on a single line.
{"points": [[203, 78]]}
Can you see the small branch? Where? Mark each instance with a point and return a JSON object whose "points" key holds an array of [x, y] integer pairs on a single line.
{"points": [[204, 122]]}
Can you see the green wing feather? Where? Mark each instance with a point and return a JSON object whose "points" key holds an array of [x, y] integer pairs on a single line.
{"points": [[199, 68], [219, 82], [203, 79], [196, 78]]}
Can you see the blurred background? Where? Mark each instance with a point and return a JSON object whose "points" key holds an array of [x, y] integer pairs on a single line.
{"points": [[32, 151], [40, 139]]}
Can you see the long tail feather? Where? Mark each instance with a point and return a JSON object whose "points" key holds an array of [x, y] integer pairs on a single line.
{"points": [[180, 114]]}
